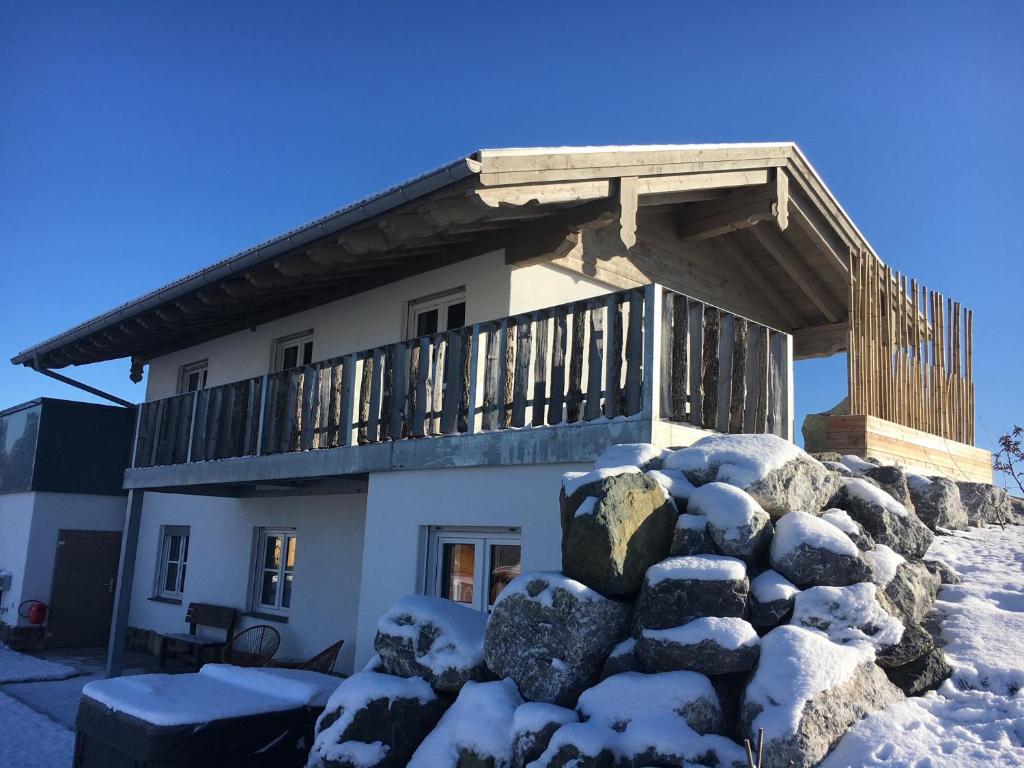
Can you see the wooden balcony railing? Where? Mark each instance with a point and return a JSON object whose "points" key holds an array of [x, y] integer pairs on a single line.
{"points": [[599, 358]]}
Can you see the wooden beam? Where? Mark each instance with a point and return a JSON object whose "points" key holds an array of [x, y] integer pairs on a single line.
{"points": [[808, 223], [820, 340], [781, 210], [739, 210], [556, 236], [809, 283], [760, 281], [627, 205]]}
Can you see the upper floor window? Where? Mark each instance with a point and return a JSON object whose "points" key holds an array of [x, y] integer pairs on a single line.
{"points": [[192, 377], [274, 571], [292, 351], [440, 312], [472, 566], [170, 578]]}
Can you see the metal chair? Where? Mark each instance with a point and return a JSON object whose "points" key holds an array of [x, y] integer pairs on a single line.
{"points": [[252, 647], [323, 662]]}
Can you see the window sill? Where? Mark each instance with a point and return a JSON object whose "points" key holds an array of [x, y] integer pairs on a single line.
{"points": [[266, 616], [168, 600]]}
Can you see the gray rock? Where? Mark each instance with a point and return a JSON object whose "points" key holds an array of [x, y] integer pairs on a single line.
{"points": [[984, 503], [800, 482], [690, 536], [771, 599], [912, 590], [533, 725], [810, 551], [613, 530], [711, 646], [736, 524], [1017, 510], [826, 457], [840, 469], [946, 574], [551, 635], [937, 502], [922, 674], [826, 715], [729, 689], [842, 520], [401, 715], [860, 613], [681, 589], [885, 519], [892, 480], [914, 644], [815, 427], [433, 638], [622, 659]]}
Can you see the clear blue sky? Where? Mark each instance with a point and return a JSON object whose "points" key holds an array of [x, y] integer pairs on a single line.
{"points": [[141, 141]]}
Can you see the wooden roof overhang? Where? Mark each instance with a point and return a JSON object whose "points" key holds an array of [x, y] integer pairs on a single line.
{"points": [[761, 204]]}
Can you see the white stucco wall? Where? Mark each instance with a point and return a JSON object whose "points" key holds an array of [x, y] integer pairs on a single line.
{"points": [[402, 506], [29, 527], [220, 562]]}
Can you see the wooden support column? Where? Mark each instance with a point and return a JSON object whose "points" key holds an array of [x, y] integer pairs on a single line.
{"points": [[125, 578]]}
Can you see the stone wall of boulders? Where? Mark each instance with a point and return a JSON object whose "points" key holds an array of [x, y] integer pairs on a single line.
{"points": [[705, 593]]}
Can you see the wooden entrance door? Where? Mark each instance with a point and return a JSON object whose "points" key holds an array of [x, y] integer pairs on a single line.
{"points": [[84, 581]]}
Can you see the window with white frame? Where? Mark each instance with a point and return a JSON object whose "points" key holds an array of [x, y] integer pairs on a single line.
{"points": [[293, 351], [440, 312], [192, 377], [472, 566], [274, 571], [170, 577]]}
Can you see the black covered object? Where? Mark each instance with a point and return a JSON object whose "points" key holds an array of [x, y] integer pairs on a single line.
{"points": [[108, 739]]}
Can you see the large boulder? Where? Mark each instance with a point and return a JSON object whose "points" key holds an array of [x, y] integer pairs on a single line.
{"points": [[984, 503], [852, 615], [644, 456], [910, 586], [675, 484], [375, 721], [806, 692], [937, 502], [888, 521], [687, 695], [622, 659], [850, 527], [945, 573], [736, 524], [551, 635], [690, 536], [681, 589], [923, 674], [778, 474], [915, 643], [771, 599], [892, 480], [533, 725], [1016, 510], [810, 551], [614, 527], [459, 741], [815, 428], [710, 645], [433, 638]]}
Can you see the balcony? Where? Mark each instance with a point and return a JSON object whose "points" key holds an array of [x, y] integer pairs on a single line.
{"points": [[556, 384]]}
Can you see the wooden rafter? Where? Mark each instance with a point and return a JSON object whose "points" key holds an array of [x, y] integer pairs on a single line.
{"points": [[760, 282], [809, 283]]}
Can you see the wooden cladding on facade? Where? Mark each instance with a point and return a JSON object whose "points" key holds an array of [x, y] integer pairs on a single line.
{"points": [[574, 363], [911, 353]]}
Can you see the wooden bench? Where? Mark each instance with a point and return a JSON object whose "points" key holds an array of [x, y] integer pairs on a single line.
{"points": [[201, 615]]}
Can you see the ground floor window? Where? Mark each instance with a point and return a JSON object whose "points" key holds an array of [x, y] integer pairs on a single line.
{"points": [[472, 565], [275, 568], [170, 579]]}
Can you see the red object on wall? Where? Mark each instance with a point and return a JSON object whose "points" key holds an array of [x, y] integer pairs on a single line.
{"points": [[37, 613]]}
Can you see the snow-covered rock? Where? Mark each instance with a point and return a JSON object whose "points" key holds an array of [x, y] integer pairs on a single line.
{"points": [[915, 643], [644, 456], [771, 599], [711, 645], [375, 721], [613, 529], [923, 674], [842, 520], [910, 586], [736, 524], [551, 635], [945, 573], [690, 536], [619, 699], [810, 551], [984, 503], [779, 475], [475, 732], [892, 480], [857, 464], [622, 659], [533, 725], [675, 484], [806, 692], [847, 615], [888, 521], [681, 589], [937, 502], [432, 638]]}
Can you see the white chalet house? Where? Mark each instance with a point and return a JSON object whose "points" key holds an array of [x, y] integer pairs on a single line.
{"points": [[383, 401]]}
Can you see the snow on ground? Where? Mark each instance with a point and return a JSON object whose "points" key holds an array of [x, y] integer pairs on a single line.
{"points": [[30, 738], [977, 717], [20, 668]]}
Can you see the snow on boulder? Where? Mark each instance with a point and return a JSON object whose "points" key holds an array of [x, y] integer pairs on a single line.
{"points": [[533, 725], [984, 503], [475, 732], [551, 635], [736, 524], [771, 599], [888, 521], [810, 551], [711, 645], [375, 721], [681, 589], [937, 502], [779, 475], [687, 695], [432, 638], [690, 536], [847, 615], [675, 484], [644, 456], [910, 586], [617, 536], [914, 644], [892, 480], [842, 520], [806, 692], [857, 464], [622, 659]]}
